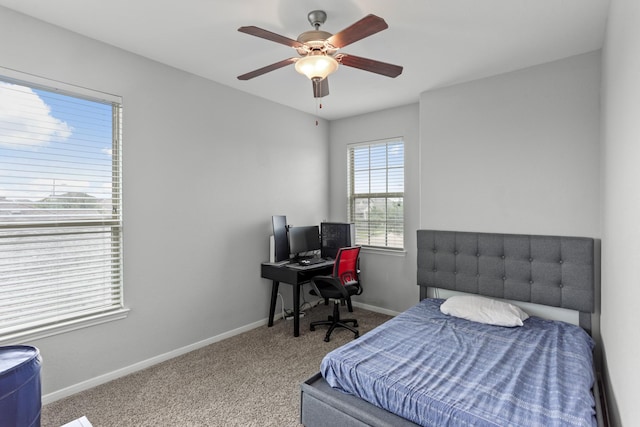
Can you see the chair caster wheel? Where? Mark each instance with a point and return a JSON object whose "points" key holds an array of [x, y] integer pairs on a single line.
{"points": [[357, 335], [326, 339], [312, 328], [355, 324]]}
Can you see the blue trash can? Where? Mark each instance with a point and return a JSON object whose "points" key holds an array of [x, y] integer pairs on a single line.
{"points": [[20, 393]]}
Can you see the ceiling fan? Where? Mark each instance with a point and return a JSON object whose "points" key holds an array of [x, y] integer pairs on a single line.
{"points": [[318, 51]]}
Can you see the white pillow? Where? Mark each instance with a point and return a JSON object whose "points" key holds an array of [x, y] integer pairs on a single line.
{"points": [[484, 310]]}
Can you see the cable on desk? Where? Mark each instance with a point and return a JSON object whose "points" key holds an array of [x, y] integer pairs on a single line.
{"points": [[287, 313], [308, 304], [304, 300], [281, 304]]}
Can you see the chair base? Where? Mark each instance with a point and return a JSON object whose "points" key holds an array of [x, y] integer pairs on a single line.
{"points": [[336, 322], [326, 302]]}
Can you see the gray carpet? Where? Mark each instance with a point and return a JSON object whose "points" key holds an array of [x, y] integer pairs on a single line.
{"points": [[252, 379]]}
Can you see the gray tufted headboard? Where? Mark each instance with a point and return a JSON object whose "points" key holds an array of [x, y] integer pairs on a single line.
{"points": [[549, 270]]}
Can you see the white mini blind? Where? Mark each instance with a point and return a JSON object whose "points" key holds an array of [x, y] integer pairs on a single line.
{"points": [[376, 193], [60, 207]]}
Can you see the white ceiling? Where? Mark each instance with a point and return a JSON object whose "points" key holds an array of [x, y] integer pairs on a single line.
{"points": [[439, 42]]}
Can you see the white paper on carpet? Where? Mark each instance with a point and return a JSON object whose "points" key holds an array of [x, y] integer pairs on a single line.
{"points": [[80, 422]]}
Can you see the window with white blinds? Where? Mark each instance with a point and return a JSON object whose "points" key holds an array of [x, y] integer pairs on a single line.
{"points": [[376, 193], [60, 207]]}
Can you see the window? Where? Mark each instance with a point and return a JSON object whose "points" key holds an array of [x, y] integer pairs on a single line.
{"points": [[60, 208], [376, 193]]}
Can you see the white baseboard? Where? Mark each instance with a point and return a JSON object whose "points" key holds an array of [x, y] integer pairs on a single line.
{"points": [[375, 309], [101, 379]]}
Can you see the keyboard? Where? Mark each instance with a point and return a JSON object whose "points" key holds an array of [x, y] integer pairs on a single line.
{"points": [[312, 261], [321, 264]]}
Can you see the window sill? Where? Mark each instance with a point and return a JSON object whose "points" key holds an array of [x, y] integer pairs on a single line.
{"points": [[384, 251], [61, 328]]}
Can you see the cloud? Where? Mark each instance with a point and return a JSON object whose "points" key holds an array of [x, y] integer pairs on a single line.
{"points": [[26, 120]]}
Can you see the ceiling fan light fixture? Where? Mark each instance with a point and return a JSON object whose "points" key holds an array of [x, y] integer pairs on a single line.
{"points": [[316, 66]]}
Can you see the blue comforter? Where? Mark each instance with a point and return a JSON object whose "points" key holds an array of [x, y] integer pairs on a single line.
{"points": [[438, 370]]}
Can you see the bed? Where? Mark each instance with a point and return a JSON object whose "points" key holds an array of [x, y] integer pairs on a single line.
{"points": [[395, 375]]}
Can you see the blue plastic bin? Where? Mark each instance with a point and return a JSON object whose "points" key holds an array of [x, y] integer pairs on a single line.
{"points": [[20, 393]]}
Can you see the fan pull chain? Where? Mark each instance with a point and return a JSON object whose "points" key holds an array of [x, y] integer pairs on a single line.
{"points": [[318, 106]]}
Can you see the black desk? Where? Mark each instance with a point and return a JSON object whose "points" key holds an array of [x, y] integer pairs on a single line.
{"points": [[295, 277]]}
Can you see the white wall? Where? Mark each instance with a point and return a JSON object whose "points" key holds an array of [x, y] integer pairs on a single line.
{"points": [[621, 213], [204, 169], [389, 280], [514, 153]]}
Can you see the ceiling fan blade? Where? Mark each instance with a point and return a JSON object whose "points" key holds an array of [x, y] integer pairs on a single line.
{"points": [[371, 65], [365, 27], [263, 70], [320, 87], [259, 32]]}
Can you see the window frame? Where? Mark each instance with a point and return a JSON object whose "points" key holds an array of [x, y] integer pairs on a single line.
{"points": [[353, 196], [113, 222]]}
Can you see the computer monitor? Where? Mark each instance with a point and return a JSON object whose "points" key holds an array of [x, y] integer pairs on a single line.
{"points": [[336, 235], [303, 241]]}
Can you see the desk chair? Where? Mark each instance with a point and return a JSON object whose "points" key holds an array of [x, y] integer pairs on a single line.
{"points": [[339, 287]]}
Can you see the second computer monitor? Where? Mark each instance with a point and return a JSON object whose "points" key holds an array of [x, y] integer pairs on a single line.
{"points": [[336, 235]]}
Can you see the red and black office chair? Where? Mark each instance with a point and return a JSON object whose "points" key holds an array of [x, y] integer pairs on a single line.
{"points": [[339, 287]]}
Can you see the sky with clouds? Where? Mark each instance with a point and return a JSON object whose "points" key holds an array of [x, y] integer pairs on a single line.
{"points": [[52, 143]]}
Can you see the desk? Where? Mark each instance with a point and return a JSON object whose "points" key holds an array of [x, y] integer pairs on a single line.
{"points": [[294, 277]]}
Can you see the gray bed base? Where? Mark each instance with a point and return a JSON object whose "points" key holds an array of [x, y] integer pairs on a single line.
{"points": [[549, 270]]}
